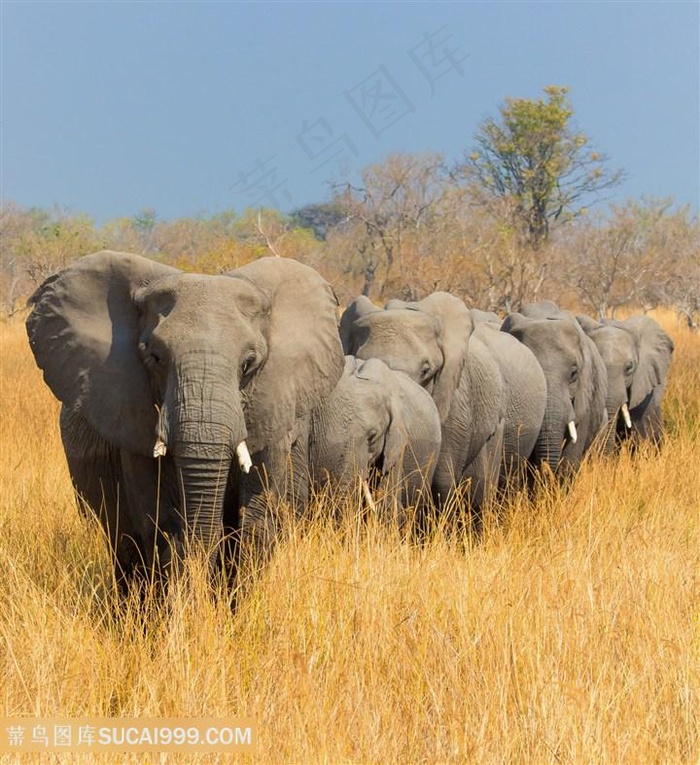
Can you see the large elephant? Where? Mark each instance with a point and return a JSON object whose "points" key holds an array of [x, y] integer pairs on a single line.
{"points": [[185, 397], [637, 355], [377, 420], [576, 383], [433, 342], [524, 396]]}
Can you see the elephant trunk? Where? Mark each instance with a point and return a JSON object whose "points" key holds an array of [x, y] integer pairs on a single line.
{"points": [[202, 487], [548, 448], [617, 407], [205, 431], [557, 430]]}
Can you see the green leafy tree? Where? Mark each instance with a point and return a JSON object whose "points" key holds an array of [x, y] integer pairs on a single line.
{"points": [[534, 168]]}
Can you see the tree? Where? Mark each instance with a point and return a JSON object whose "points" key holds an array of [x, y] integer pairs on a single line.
{"points": [[35, 243], [481, 259], [642, 253], [321, 218], [388, 215], [271, 232], [145, 222], [535, 166]]}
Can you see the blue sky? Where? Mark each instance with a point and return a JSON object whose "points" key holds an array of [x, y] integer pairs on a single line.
{"points": [[193, 108]]}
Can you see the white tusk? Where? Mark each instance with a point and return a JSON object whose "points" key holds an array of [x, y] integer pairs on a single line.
{"points": [[572, 431], [368, 495], [626, 415], [244, 460], [160, 449]]}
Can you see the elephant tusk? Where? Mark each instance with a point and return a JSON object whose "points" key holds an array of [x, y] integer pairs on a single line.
{"points": [[626, 415], [244, 460], [160, 449], [573, 435], [368, 496]]}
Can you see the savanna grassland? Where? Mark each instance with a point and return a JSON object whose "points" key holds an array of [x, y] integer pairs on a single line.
{"points": [[569, 633]]}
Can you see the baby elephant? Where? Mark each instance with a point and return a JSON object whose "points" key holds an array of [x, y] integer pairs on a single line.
{"points": [[381, 426]]}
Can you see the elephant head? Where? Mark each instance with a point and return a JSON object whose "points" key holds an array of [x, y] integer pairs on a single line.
{"points": [[485, 317], [203, 371], [637, 355], [576, 383], [377, 420]]}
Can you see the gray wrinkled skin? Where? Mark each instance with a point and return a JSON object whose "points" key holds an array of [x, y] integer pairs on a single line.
{"points": [[434, 343], [576, 383], [637, 355], [377, 423], [148, 360]]}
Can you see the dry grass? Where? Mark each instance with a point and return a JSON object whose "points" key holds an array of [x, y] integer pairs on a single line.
{"points": [[570, 633]]}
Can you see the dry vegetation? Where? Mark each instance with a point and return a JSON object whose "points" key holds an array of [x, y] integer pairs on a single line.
{"points": [[569, 633]]}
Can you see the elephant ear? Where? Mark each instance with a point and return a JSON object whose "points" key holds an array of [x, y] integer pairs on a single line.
{"points": [[455, 327], [596, 372], [396, 303], [395, 442], [367, 369], [83, 331], [513, 322], [544, 309], [485, 317], [305, 358], [360, 306], [655, 351], [587, 324], [391, 387], [414, 430]]}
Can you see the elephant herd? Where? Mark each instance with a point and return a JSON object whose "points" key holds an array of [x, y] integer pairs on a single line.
{"points": [[191, 403]]}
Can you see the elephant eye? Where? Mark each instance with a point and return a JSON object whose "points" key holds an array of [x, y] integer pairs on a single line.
{"points": [[629, 367], [149, 355], [426, 371], [248, 364], [573, 374]]}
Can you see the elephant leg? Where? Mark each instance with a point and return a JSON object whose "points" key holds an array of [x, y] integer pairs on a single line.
{"points": [[96, 474], [150, 491], [483, 473], [445, 478], [258, 524], [518, 444], [410, 492], [231, 523], [273, 485], [299, 479], [647, 422], [495, 447]]}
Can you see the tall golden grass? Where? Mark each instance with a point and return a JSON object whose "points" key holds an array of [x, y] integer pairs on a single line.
{"points": [[570, 632]]}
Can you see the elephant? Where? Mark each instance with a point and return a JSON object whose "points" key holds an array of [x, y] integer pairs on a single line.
{"points": [[433, 342], [576, 383], [185, 397], [377, 420], [486, 317], [637, 355], [524, 397], [521, 384]]}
